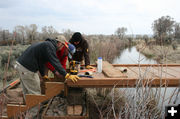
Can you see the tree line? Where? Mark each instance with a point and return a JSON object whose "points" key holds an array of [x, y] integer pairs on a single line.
{"points": [[165, 31], [29, 34]]}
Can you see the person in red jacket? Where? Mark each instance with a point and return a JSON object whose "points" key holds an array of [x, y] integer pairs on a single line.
{"points": [[63, 55]]}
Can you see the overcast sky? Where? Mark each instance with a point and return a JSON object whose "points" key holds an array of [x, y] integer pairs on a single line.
{"points": [[88, 16]]}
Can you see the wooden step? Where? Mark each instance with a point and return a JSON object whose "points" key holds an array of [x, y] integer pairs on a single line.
{"points": [[52, 89]]}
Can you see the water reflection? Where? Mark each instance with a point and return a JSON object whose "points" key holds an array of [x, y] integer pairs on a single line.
{"points": [[132, 56]]}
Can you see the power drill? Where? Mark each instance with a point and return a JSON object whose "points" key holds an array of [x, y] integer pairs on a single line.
{"points": [[73, 66]]}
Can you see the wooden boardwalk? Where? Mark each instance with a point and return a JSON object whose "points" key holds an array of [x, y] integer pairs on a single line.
{"points": [[147, 74], [137, 75]]}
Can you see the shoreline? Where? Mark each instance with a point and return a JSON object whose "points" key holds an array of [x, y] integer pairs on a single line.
{"points": [[162, 54]]}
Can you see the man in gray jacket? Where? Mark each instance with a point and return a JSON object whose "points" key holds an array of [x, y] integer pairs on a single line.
{"points": [[34, 59]]}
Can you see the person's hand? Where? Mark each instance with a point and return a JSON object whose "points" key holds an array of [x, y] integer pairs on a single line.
{"points": [[89, 67], [73, 78], [46, 77]]}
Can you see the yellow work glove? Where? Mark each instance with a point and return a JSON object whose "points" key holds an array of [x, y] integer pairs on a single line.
{"points": [[89, 67], [73, 78], [46, 77]]}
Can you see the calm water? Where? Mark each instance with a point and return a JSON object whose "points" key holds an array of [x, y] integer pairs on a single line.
{"points": [[132, 56]]}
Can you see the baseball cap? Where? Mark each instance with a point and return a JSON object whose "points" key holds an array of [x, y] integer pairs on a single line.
{"points": [[61, 39], [71, 49]]}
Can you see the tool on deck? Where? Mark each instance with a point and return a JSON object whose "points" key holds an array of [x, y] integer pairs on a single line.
{"points": [[10, 85], [74, 67], [88, 76]]}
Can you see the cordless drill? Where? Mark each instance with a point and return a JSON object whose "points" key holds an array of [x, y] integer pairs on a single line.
{"points": [[73, 66]]}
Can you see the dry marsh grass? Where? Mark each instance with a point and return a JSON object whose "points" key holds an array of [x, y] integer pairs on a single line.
{"points": [[107, 47], [162, 54]]}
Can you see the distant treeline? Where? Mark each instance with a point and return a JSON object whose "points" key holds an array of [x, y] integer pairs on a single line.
{"points": [[165, 31], [28, 34]]}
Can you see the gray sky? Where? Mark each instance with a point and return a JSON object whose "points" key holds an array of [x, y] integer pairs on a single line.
{"points": [[88, 16]]}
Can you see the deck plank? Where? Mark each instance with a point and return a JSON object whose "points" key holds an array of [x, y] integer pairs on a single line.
{"points": [[165, 72]]}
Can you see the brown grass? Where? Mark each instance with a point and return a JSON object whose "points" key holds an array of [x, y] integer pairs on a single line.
{"points": [[162, 54], [107, 47]]}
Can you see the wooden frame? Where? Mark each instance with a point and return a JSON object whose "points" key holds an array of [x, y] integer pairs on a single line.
{"points": [[123, 82]]}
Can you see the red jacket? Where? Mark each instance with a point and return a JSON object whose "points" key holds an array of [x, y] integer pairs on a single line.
{"points": [[62, 56]]}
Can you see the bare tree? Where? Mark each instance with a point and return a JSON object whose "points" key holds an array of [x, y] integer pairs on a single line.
{"points": [[120, 32], [49, 32], [31, 32], [20, 34], [67, 33], [5, 37]]}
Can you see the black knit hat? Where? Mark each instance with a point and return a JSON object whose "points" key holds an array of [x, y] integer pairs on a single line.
{"points": [[77, 37]]}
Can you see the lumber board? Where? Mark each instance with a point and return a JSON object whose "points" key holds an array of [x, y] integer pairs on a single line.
{"points": [[123, 82], [32, 100], [53, 88], [78, 110], [70, 110], [13, 110], [75, 110], [141, 65], [110, 71], [146, 65]]}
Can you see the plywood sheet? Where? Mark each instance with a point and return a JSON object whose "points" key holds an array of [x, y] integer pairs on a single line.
{"points": [[111, 71]]}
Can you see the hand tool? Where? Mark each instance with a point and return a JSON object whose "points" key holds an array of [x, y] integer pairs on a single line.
{"points": [[88, 76], [10, 85], [74, 67]]}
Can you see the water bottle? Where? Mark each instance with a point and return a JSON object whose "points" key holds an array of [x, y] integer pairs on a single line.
{"points": [[99, 65]]}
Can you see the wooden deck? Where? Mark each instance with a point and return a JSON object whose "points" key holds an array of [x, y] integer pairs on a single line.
{"points": [[137, 75], [148, 74]]}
